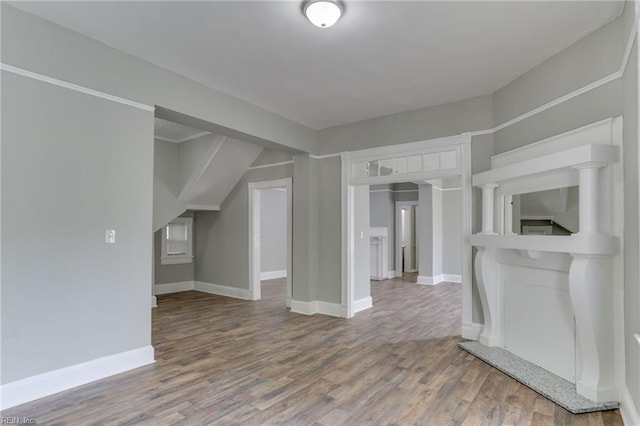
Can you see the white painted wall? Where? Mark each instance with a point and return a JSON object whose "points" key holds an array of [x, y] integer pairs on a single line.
{"points": [[273, 230]]}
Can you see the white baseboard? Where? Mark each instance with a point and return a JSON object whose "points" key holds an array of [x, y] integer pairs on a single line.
{"points": [[450, 278], [222, 290], [270, 275], [154, 302], [317, 307], [392, 274], [173, 287], [45, 384], [628, 409], [411, 271], [362, 304], [437, 279], [426, 280], [471, 330]]}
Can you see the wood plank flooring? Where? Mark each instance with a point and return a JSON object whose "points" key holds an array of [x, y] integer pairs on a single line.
{"points": [[225, 361]]}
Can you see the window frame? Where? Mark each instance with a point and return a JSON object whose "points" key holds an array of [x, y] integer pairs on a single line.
{"points": [[174, 259]]}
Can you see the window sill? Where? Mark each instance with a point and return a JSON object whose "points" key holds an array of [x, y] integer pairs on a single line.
{"points": [[176, 260]]}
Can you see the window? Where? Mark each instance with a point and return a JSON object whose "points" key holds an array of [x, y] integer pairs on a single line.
{"points": [[177, 242]]}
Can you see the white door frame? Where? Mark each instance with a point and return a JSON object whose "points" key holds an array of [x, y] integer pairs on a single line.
{"points": [[463, 142], [254, 233], [397, 237]]}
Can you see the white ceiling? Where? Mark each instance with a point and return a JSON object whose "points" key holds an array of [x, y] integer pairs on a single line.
{"points": [[383, 57]]}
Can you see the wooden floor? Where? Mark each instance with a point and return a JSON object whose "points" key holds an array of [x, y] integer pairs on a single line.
{"points": [[226, 361]]}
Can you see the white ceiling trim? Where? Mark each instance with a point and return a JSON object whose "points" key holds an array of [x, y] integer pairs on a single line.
{"points": [[264, 166], [75, 87]]}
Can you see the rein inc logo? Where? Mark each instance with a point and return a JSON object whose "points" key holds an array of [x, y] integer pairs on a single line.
{"points": [[17, 420]]}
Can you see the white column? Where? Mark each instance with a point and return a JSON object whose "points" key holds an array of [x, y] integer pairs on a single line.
{"points": [[592, 300], [589, 198], [508, 215], [488, 191]]}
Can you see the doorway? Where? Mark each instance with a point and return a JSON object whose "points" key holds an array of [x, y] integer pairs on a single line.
{"points": [[423, 162], [270, 234], [406, 244]]}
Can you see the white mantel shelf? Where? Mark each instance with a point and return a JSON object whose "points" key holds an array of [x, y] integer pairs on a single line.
{"points": [[570, 158], [575, 244]]}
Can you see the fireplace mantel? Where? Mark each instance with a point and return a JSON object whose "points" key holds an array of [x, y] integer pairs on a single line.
{"points": [[566, 276]]}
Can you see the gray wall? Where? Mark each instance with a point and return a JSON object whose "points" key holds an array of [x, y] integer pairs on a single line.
{"points": [[329, 230], [317, 240], [40, 46], [73, 165], [221, 247], [273, 230], [164, 274], [361, 243], [437, 121], [590, 59], [383, 214], [631, 240], [166, 205], [424, 214], [452, 230]]}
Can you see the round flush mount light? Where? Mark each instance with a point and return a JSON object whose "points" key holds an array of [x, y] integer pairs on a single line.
{"points": [[323, 13]]}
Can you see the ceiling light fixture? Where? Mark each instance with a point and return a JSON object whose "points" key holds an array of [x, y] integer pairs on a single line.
{"points": [[323, 13]]}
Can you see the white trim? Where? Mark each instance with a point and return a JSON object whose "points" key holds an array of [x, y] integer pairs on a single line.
{"points": [[203, 207], [188, 191], [317, 307], [176, 260], [628, 410], [223, 290], [161, 138], [74, 87], [446, 189], [173, 259], [392, 274], [185, 139], [581, 91], [452, 278], [395, 191], [346, 227], [435, 280], [45, 384], [192, 137], [435, 145], [397, 236], [362, 304], [255, 275], [154, 302], [173, 287], [270, 275], [467, 204], [471, 330], [629, 46], [322, 157], [264, 166]]}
